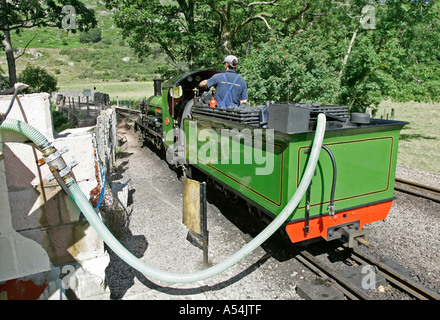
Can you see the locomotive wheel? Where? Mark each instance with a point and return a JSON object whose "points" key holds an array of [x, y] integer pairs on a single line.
{"points": [[255, 212], [158, 143], [231, 196]]}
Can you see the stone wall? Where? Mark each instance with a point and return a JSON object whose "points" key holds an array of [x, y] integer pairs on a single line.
{"points": [[98, 98], [41, 229]]}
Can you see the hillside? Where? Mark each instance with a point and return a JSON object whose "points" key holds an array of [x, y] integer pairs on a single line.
{"points": [[109, 64]]}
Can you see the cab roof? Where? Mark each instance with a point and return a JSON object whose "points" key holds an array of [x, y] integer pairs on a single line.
{"points": [[182, 78]]}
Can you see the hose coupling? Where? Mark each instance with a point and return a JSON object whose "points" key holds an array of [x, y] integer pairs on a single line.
{"points": [[331, 209], [58, 167]]}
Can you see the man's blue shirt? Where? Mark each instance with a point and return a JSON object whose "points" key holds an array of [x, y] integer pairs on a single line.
{"points": [[238, 92]]}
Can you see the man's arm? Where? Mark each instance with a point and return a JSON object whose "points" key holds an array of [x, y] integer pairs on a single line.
{"points": [[208, 83], [244, 94]]}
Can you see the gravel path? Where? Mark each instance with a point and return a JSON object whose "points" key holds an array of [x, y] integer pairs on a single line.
{"points": [[156, 235]]}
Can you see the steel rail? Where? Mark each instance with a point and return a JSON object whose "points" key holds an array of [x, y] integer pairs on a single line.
{"points": [[419, 190], [395, 277], [327, 274], [349, 289], [122, 110]]}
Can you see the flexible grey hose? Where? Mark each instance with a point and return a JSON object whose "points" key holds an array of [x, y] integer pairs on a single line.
{"points": [[28, 131], [87, 209]]}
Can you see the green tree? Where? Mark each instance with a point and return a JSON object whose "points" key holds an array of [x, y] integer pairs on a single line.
{"points": [[370, 50], [235, 19], [391, 58], [16, 15], [293, 68], [38, 80], [93, 35], [199, 33], [181, 29]]}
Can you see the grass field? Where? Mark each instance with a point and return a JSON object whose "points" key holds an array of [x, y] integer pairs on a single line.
{"points": [[133, 90], [419, 145], [63, 55]]}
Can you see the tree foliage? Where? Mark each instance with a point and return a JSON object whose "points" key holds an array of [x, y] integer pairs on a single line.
{"points": [[93, 35], [293, 68], [16, 15], [199, 33], [356, 52], [38, 80], [391, 59], [181, 29]]}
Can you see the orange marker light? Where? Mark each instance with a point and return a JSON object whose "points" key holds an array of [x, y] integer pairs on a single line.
{"points": [[213, 103]]}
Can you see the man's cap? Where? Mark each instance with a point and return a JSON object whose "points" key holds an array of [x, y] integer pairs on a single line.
{"points": [[232, 60]]}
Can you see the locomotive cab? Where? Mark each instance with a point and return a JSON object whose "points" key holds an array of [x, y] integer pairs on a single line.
{"points": [[163, 113], [181, 89]]}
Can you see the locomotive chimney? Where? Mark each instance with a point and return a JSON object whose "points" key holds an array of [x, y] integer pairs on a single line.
{"points": [[157, 86]]}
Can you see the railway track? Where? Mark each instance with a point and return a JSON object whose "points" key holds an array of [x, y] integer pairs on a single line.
{"points": [[417, 189], [328, 275], [394, 274]]}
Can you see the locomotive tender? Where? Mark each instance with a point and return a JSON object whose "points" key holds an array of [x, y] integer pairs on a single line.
{"points": [[259, 154]]}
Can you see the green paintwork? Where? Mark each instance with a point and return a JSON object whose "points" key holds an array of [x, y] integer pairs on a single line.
{"points": [[239, 175], [365, 158], [167, 128], [366, 165], [155, 102]]}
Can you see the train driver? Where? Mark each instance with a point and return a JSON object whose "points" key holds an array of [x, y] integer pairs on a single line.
{"points": [[231, 88]]}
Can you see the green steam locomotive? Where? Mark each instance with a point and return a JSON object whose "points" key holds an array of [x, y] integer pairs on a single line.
{"points": [[259, 154]]}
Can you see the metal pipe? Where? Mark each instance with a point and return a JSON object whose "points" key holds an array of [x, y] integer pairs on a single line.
{"points": [[331, 206], [18, 87], [157, 86]]}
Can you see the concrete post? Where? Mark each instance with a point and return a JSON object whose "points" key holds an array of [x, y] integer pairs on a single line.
{"points": [[88, 106], [114, 134]]}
